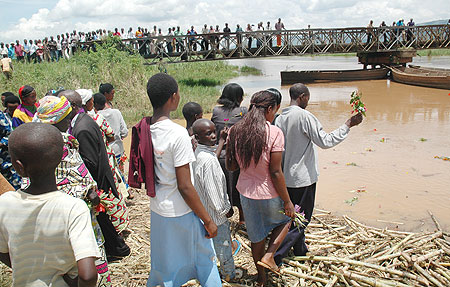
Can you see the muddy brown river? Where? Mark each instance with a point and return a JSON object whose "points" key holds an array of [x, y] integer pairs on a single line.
{"points": [[399, 177]]}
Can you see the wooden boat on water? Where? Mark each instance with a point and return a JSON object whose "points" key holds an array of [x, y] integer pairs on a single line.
{"points": [[292, 77], [422, 76]]}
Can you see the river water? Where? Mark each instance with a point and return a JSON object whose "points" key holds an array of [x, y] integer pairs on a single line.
{"points": [[400, 177]]}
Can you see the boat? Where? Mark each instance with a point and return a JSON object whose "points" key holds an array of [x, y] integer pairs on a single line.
{"points": [[429, 68], [292, 77], [422, 76]]}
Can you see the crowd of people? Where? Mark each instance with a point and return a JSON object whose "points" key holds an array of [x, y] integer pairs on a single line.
{"points": [[64, 45], [67, 217], [89, 168], [172, 40], [400, 29]]}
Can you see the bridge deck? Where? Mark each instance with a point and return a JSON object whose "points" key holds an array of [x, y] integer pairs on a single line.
{"points": [[221, 46]]}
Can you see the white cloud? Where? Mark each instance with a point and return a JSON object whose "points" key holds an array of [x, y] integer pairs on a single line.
{"points": [[85, 15]]}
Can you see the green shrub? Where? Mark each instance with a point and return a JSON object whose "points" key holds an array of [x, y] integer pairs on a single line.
{"points": [[114, 63]]}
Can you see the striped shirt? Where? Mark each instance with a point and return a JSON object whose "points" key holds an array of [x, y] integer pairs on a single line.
{"points": [[45, 235], [210, 183]]}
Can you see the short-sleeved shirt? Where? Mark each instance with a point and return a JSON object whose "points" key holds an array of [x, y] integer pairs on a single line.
{"points": [[222, 117], [255, 182], [117, 123], [172, 148], [45, 235], [6, 64]]}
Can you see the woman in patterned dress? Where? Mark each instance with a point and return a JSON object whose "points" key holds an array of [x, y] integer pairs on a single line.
{"points": [[72, 175]]}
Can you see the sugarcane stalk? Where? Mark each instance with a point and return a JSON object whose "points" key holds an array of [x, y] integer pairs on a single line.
{"points": [[359, 263], [427, 256], [332, 281], [370, 281], [304, 276], [427, 275], [438, 226]]}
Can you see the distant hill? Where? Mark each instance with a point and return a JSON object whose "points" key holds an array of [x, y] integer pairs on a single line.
{"points": [[435, 22]]}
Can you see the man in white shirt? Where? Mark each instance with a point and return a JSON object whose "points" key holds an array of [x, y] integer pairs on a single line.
{"points": [[302, 130], [279, 26], [3, 50], [205, 41]]}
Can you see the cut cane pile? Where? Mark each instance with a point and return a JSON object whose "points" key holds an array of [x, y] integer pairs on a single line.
{"points": [[343, 252]]}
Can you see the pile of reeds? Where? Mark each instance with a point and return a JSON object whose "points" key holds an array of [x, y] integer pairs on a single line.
{"points": [[343, 252]]}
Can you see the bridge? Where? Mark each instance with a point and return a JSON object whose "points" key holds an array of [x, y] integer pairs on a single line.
{"points": [[223, 46]]}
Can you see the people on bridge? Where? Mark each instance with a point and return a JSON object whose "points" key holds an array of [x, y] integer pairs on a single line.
{"points": [[279, 26], [249, 36], [65, 45], [369, 32], [409, 34]]}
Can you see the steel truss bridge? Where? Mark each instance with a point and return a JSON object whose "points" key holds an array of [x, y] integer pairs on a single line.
{"points": [[223, 46]]}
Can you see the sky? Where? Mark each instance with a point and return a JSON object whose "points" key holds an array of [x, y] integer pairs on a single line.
{"points": [[34, 19]]}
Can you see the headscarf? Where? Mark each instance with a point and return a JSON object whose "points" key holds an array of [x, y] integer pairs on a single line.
{"points": [[25, 91], [52, 110], [86, 95]]}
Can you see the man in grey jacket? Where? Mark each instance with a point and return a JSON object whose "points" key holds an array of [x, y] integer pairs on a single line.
{"points": [[302, 130]]}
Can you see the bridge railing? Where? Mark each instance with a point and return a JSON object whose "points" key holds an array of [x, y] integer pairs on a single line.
{"points": [[215, 46]]}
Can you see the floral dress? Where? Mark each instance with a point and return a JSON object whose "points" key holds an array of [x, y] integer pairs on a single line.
{"points": [[115, 207], [7, 169], [73, 177]]}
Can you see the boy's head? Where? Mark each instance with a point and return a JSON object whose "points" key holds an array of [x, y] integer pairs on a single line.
{"points": [[3, 97], [75, 101], [162, 89], [205, 132], [11, 103], [36, 149], [108, 91], [99, 101], [192, 112]]}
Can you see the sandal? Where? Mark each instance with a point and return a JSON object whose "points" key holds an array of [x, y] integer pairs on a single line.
{"points": [[238, 248], [267, 266]]}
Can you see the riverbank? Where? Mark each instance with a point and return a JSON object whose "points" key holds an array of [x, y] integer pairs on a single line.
{"points": [[197, 81]]}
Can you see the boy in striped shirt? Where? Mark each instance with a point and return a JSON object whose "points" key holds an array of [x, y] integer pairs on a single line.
{"points": [[210, 184]]}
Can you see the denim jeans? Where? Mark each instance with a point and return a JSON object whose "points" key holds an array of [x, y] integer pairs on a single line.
{"points": [[222, 245]]}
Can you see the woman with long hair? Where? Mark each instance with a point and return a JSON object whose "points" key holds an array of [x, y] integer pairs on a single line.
{"points": [[255, 146], [226, 114]]}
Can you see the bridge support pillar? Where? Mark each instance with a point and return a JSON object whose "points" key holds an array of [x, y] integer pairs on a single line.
{"points": [[388, 58]]}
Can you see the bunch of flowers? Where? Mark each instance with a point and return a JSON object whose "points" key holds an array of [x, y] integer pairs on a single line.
{"points": [[299, 218], [357, 105]]}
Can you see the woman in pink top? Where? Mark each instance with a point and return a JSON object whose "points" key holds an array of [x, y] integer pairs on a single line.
{"points": [[255, 146]]}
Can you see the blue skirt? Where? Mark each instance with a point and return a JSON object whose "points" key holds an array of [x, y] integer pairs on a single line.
{"points": [[180, 252], [262, 216]]}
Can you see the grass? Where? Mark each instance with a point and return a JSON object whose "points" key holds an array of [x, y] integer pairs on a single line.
{"points": [[251, 70], [336, 55], [199, 82], [433, 52]]}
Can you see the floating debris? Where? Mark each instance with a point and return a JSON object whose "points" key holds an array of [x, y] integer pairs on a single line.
{"points": [[442, 157], [352, 201]]}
